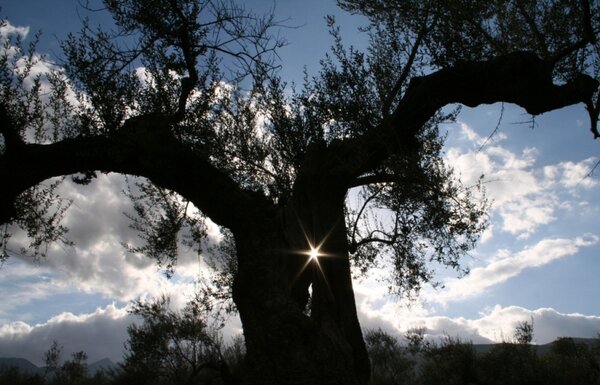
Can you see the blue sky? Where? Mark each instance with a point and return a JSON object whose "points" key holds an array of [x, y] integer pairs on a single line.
{"points": [[538, 260]]}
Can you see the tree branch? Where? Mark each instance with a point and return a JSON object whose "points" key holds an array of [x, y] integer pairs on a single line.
{"points": [[186, 44], [539, 37], [520, 78], [353, 244], [589, 37], [389, 240], [406, 70], [140, 148], [587, 22]]}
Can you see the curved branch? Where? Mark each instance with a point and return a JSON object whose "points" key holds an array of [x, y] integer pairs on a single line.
{"points": [[372, 239], [386, 238], [354, 245], [520, 78], [140, 148]]}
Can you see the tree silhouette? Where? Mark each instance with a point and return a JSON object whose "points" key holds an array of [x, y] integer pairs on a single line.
{"points": [[523, 334], [391, 363], [171, 347], [569, 362], [212, 128], [515, 361], [452, 361]]}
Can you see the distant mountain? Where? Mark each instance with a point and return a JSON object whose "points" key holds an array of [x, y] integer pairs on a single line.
{"points": [[26, 366], [540, 349], [104, 364]]}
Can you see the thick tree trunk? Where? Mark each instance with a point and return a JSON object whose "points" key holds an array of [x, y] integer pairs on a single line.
{"points": [[284, 344]]}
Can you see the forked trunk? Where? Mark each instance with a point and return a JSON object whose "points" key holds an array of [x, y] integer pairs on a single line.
{"points": [[285, 344]]}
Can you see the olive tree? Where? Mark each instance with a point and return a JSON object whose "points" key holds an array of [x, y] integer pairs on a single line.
{"points": [[185, 93]]}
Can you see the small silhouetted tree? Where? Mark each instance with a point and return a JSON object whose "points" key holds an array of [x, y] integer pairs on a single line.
{"points": [[52, 358], [72, 372], [185, 94], [391, 362], [513, 362], [451, 361], [173, 347], [523, 334]]}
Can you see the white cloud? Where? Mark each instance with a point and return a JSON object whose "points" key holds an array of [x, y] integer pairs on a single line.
{"points": [[98, 263], [377, 308], [573, 175], [97, 266], [471, 135], [499, 323], [525, 195], [522, 217], [8, 29], [100, 334], [506, 266], [496, 324]]}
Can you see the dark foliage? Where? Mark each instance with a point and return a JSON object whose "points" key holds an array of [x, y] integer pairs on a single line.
{"points": [[455, 362]]}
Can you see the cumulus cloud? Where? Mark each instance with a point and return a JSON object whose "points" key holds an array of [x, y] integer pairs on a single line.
{"points": [[507, 265], [525, 195], [496, 324], [103, 332], [8, 30], [98, 262], [100, 334], [572, 175], [499, 323], [377, 305]]}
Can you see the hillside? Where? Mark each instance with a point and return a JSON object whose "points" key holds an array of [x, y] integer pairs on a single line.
{"points": [[26, 366]]}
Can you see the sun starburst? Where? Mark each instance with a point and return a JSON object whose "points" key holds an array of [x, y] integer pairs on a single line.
{"points": [[314, 253]]}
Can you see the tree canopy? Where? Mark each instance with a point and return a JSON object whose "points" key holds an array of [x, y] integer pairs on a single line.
{"points": [[186, 94]]}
